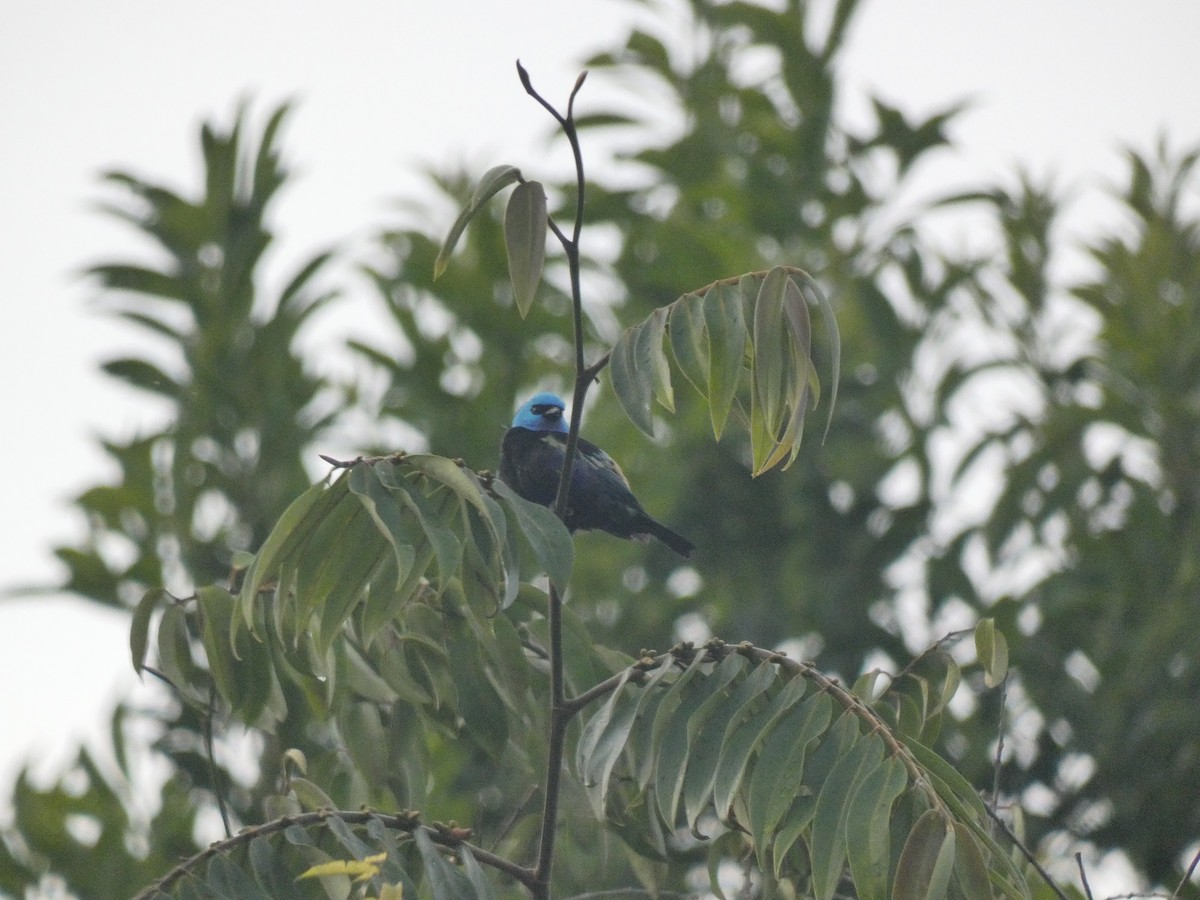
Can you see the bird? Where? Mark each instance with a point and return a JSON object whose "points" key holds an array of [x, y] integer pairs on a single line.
{"points": [[600, 499]]}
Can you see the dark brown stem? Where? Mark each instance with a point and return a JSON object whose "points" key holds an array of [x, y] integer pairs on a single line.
{"points": [[1027, 853], [1187, 876], [1087, 888], [560, 712], [213, 772]]}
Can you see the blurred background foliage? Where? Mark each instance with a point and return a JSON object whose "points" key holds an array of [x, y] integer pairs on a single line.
{"points": [[1072, 410]]}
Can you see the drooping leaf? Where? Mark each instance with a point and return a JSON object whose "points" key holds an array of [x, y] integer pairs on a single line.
{"points": [[545, 532], [727, 334], [139, 629], [868, 828], [525, 241], [827, 849], [992, 650], [494, 180], [638, 367], [927, 860]]}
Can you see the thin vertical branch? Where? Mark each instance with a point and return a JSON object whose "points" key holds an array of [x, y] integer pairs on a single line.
{"points": [[1087, 888], [560, 711], [999, 761], [214, 772]]}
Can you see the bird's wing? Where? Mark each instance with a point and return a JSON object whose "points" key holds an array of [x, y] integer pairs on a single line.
{"points": [[599, 465]]}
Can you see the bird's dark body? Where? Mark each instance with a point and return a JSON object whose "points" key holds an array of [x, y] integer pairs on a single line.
{"points": [[600, 499]]}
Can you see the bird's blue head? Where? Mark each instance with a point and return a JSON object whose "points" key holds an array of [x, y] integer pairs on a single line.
{"points": [[541, 412]]}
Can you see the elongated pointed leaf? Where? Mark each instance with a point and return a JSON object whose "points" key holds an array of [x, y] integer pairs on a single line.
{"points": [[832, 746], [868, 828], [493, 181], [927, 860], [637, 367], [434, 514], [970, 870], [835, 344], [682, 725], [827, 849], [402, 533], [290, 532], [992, 650], [780, 764], [743, 738], [139, 628], [727, 711], [547, 536], [445, 881], [689, 346], [726, 329], [603, 739], [770, 350], [525, 241], [475, 874]]}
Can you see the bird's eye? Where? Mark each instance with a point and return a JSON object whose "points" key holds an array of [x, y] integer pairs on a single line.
{"points": [[546, 409]]}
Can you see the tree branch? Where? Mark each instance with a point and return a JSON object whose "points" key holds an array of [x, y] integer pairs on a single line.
{"points": [[560, 712], [407, 821]]}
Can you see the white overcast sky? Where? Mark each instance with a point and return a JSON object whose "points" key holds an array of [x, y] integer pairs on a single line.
{"points": [[384, 87]]}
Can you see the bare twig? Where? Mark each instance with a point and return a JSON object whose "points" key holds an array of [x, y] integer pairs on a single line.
{"points": [[1027, 853], [210, 752], [999, 761], [1187, 876], [1087, 888]]}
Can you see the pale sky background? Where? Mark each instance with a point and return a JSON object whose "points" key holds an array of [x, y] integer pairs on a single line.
{"points": [[384, 87]]}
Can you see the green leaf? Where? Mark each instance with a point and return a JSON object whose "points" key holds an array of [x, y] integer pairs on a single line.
{"points": [[827, 849], [726, 329], [743, 738], [950, 784], [484, 713], [835, 342], [434, 514], [970, 870], [475, 874], [992, 650], [547, 536], [144, 375], [401, 532], [494, 180], [927, 860], [216, 607], [689, 346], [727, 712], [603, 739], [770, 356], [525, 241], [139, 628], [684, 722], [228, 880], [638, 366], [868, 828], [310, 796], [836, 743], [775, 780], [268, 867], [294, 527], [445, 881]]}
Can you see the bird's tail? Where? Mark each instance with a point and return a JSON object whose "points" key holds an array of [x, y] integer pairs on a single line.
{"points": [[657, 530]]}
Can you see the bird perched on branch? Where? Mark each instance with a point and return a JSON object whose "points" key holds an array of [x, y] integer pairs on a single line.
{"points": [[531, 461]]}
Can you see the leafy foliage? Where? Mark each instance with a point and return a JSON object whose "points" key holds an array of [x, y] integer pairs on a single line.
{"points": [[389, 644]]}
